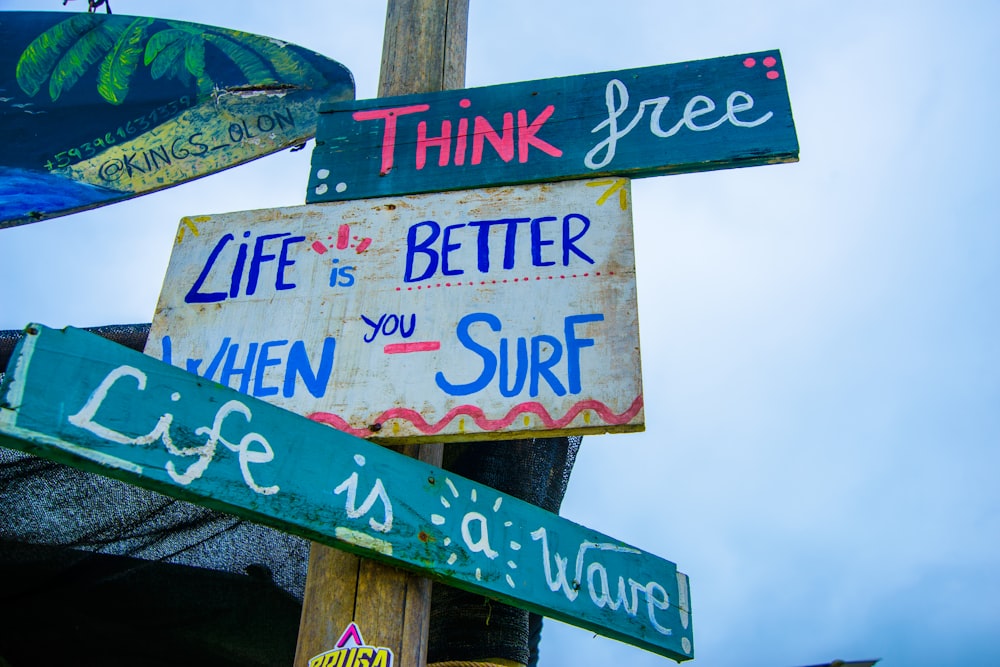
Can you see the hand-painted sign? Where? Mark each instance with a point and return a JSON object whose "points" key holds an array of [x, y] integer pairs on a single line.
{"points": [[694, 116], [96, 108], [77, 398], [453, 316]]}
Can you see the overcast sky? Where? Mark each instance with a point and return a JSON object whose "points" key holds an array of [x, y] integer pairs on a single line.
{"points": [[820, 340]]}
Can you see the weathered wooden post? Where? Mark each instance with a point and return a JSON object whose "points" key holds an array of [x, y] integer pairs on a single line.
{"points": [[424, 51]]}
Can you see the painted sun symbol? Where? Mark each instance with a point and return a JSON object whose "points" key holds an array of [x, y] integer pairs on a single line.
{"points": [[480, 543]]}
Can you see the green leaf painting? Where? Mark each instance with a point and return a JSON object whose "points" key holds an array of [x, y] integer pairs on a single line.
{"points": [[119, 45], [84, 53], [42, 55], [119, 65]]}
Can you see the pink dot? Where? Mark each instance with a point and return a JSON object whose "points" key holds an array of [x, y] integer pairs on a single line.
{"points": [[465, 103], [770, 61], [749, 62], [773, 74]]}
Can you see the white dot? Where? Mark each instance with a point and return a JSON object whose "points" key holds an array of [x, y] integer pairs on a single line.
{"points": [[176, 396], [686, 644], [341, 186], [510, 582], [323, 174], [321, 189], [359, 459], [437, 519]]}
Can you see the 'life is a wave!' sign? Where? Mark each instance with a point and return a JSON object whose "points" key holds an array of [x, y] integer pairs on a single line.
{"points": [[79, 399], [693, 116], [478, 314]]}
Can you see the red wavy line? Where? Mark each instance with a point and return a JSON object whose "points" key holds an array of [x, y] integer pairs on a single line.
{"points": [[479, 417]]}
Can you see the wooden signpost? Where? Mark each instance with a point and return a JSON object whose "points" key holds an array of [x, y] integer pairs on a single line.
{"points": [[455, 316], [97, 108], [696, 116], [76, 398], [474, 311]]}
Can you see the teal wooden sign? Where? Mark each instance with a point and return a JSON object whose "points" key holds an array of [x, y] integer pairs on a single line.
{"points": [[77, 398], [694, 116], [97, 108]]}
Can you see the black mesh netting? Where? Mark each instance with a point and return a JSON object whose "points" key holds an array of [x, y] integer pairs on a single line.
{"points": [[96, 571]]}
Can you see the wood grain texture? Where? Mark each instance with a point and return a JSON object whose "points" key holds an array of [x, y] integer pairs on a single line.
{"points": [[82, 400], [423, 50], [710, 114]]}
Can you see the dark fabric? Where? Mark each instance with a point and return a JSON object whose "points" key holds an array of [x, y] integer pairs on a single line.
{"points": [[94, 571], [61, 606], [466, 626], [46, 503]]}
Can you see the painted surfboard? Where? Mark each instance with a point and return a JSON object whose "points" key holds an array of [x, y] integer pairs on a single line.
{"points": [[97, 108]]}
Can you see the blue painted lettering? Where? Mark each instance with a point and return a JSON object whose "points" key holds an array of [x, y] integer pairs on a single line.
{"points": [[389, 324], [245, 368], [223, 256], [541, 360], [428, 249]]}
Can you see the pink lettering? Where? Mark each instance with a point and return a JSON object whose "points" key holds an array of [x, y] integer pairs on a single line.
{"points": [[526, 134], [442, 143], [389, 134], [482, 131]]}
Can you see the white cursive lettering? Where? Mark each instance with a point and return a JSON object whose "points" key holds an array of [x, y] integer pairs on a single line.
{"points": [[597, 581], [206, 452], [616, 99]]}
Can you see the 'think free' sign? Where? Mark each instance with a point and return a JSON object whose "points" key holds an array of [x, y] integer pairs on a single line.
{"points": [[694, 116]]}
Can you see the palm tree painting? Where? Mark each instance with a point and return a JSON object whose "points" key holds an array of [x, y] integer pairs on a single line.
{"points": [[104, 107]]}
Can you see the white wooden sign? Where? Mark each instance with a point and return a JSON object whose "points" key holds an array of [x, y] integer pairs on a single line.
{"points": [[467, 315]]}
